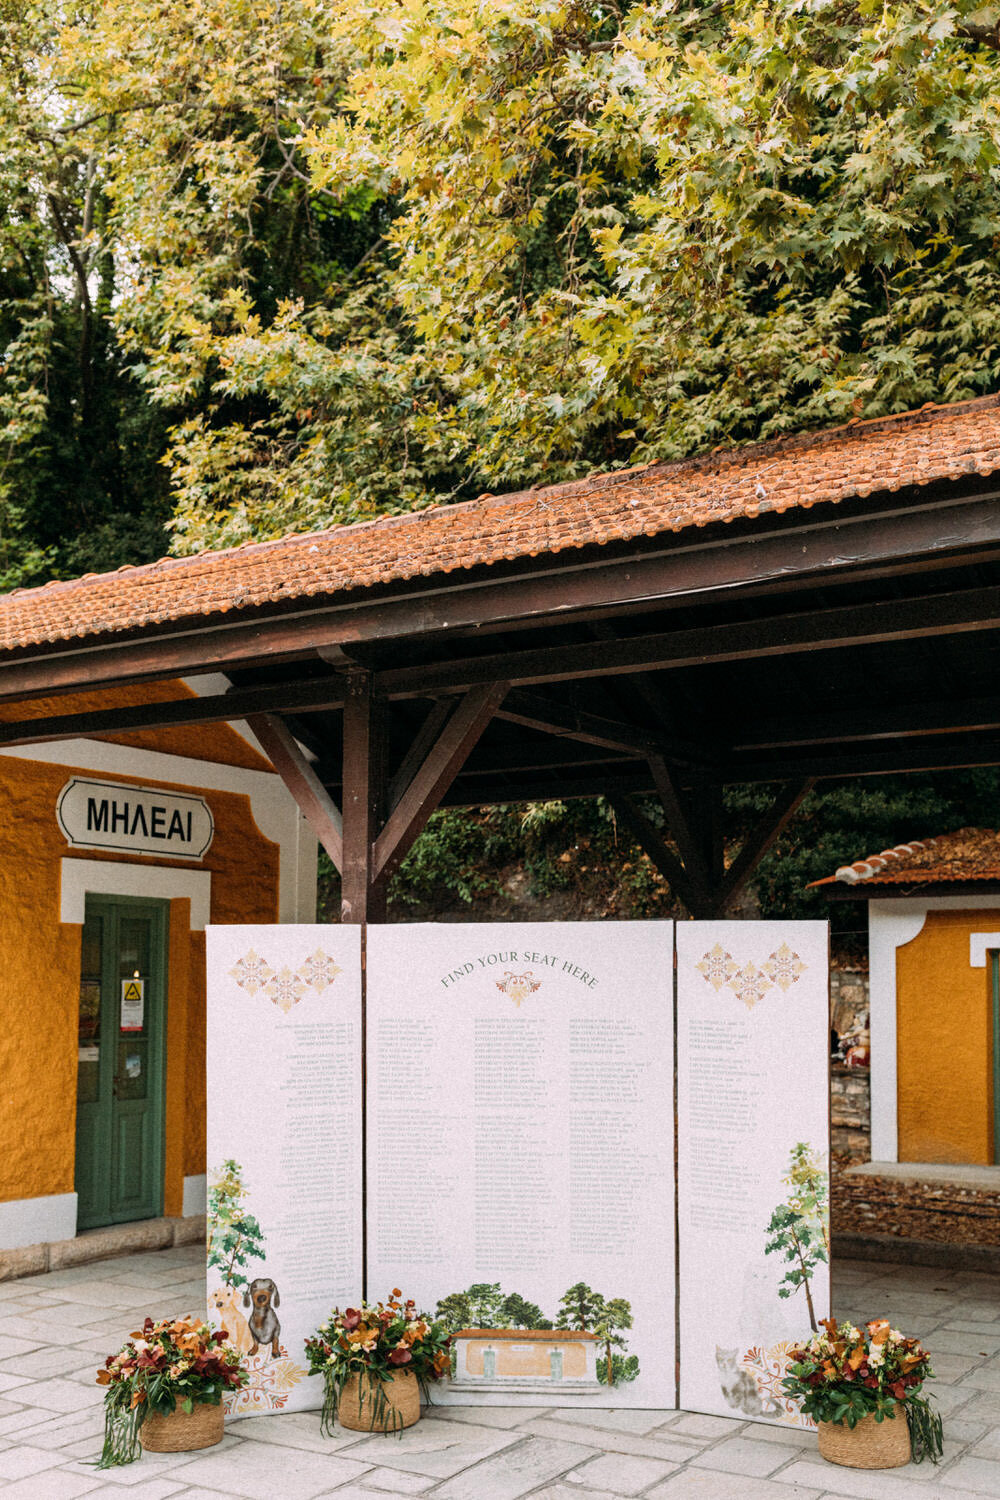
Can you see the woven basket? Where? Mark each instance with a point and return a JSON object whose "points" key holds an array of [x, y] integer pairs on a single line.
{"points": [[869, 1445], [180, 1431], [402, 1393]]}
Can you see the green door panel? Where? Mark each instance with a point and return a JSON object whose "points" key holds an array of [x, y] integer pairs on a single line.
{"points": [[119, 1120]]}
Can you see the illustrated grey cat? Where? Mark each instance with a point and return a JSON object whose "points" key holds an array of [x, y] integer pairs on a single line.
{"points": [[740, 1388]]}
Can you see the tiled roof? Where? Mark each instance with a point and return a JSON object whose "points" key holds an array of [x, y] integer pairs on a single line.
{"points": [[968, 854], [863, 458]]}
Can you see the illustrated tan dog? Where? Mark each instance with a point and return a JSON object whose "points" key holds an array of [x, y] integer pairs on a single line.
{"points": [[262, 1296], [224, 1307]]}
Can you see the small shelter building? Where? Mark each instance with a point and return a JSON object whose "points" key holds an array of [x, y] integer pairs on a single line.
{"points": [[934, 952]]}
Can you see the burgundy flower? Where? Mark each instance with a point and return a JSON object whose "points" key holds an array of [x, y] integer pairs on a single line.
{"points": [[400, 1356], [351, 1319]]}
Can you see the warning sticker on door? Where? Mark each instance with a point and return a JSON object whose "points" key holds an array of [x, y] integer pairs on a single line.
{"points": [[133, 991]]}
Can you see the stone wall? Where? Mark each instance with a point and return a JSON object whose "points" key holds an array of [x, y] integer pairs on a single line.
{"points": [[850, 1112], [850, 1088]]}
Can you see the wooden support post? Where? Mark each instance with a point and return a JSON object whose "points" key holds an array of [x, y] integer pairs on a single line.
{"points": [[314, 801], [681, 826], [442, 764], [651, 842], [362, 891]]}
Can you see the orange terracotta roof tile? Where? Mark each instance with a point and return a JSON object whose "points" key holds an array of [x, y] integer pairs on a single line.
{"points": [[935, 443], [967, 854]]}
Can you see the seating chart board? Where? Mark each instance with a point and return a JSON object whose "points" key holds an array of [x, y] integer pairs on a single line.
{"points": [[753, 1095], [284, 1147], [521, 1142]]}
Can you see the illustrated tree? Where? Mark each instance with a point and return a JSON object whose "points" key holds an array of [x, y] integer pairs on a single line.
{"points": [[614, 1317], [580, 1307], [799, 1228], [234, 1235], [516, 1312]]}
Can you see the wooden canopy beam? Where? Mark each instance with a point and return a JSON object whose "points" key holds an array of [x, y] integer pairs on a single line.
{"points": [[652, 843], [533, 711], [911, 720], [960, 612], [312, 797], [760, 839], [310, 695], [433, 778]]}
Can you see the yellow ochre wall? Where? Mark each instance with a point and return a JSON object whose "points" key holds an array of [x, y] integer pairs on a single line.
{"points": [[943, 1042], [40, 962]]}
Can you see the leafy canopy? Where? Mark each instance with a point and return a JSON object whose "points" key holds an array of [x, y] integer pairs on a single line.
{"points": [[365, 257]]}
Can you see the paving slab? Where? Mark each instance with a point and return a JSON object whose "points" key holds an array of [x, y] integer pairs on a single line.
{"points": [[56, 1329]]}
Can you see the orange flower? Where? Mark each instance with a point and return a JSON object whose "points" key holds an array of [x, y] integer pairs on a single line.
{"points": [[878, 1330], [104, 1377], [137, 1397]]}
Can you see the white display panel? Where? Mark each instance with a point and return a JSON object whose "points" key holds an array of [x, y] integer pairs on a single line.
{"points": [[753, 1143], [284, 1146], [521, 1137]]}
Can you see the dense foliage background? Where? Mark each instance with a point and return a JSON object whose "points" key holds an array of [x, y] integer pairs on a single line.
{"points": [[275, 266]]}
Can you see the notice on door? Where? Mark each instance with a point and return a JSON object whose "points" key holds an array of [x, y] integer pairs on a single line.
{"points": [[133, 1004], [520, 1153]]}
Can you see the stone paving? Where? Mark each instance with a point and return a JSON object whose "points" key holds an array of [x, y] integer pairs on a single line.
{"points": [[55, 1329]]}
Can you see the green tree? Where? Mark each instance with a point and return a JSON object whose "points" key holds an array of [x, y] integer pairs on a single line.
{"points": [[234, 1235], [614, 1317], [799, 1228], [517, 1313], [580, 1307], [360, 258]]}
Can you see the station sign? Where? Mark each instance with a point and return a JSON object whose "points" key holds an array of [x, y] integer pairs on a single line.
{"points": [[134, 819]]}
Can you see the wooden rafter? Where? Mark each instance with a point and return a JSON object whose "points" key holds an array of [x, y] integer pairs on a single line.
{"points": [[963, 611]]}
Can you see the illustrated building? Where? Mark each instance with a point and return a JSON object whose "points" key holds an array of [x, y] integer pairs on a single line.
{"points": [[114, 854], [525, 1360]]}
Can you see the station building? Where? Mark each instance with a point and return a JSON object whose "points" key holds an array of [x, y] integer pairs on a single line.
{"points": [[114, 854]]}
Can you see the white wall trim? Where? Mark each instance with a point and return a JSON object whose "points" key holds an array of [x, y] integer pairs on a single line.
{"points": [[274, 809], [979, 945], [37, 1221], [195, 1199], [892, 923], [113, 877]]}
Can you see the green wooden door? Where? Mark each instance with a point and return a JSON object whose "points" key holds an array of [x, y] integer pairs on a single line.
{"points": [[119, 1109]]}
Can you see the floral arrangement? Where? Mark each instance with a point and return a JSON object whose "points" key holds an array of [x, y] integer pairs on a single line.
{"points": [[847, 1373], [176, 1362], [375, 1342]]}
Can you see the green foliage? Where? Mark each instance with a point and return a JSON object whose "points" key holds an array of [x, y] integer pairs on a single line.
{"points": [[234, 1235], [799, 1228], [327, 261], [485, 1305], [618, 1369], [579, 1307]]}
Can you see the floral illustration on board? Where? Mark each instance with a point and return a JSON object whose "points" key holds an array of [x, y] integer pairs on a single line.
{"points": [[748, 981], [518, 986], [286, 987]]}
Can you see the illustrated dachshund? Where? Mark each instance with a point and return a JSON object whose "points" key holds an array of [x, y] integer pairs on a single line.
{"points": [[262, 1296], [224, 1304]]}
